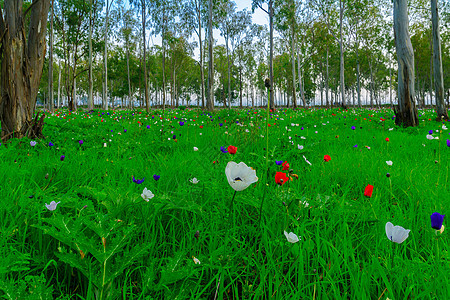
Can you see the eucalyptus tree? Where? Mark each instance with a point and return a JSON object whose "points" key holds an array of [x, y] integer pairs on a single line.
{"points": [[127, 33], [108, 5], [22, 63], [228, 10], [192, 16], [270, 12], [142, 5], [163, 14], [441, 108], [50, 57], [406, 111], [210, 99]]}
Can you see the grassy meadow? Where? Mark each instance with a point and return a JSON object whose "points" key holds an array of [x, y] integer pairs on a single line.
{"points": [[198, 239]]}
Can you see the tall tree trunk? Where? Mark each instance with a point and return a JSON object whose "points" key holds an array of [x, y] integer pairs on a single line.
{"points": [[105, 58], [59, 88], [202, 75], [341, 47], [90, 79], [50, 62], [22, 63], [145, 57], [300, 80], [406, 111], [294, 83], [326, 83], [272, 103], [441, 109], [371, 83], [210, 100], [229, 70], [390, 86]]}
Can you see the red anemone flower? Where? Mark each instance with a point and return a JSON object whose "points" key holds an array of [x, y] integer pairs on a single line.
{"points": [[368, 191], [387, 139], [326, 157], [232, 149], [285, 166], [281, 178]]}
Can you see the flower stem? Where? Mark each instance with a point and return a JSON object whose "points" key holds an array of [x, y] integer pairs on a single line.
{"points": [[267, 157]]}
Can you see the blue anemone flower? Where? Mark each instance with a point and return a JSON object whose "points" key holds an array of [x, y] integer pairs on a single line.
{"points": [[431, 131], [181, 123], [223, 149], [137, 181], [436, 220]]}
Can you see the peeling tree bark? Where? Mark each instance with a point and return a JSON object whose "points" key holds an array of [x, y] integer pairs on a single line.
{"points": [[22, 63], [406, 111]]}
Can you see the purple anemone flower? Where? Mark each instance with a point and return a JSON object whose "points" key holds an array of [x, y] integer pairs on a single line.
{"points": [[223, 149], [51, 144], [436, 220], [279, 162], [137, 181], [80, 142], [156, 177], [181, 123], [448, 143], [148, 126], [220, 124], [62, 157], [353, 127], [430, 131]]}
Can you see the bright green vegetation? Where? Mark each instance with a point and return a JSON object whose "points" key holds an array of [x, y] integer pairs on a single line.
{"points": [[104, 241]]}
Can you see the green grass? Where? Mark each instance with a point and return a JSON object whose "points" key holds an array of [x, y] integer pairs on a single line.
{"points": [[104, 241]]}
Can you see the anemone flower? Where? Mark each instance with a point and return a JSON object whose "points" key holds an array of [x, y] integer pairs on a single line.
{"points": [[137, 181], [368, 191], [291, 237], [240, 176], [278, 162], [326, 157], [300, 147], [436, 220], [281, 178], [147, 194], [181, 123], [223, 149], [232, 149], [33, 143], [52, 206], [397, 233], [50, 144], [285, 166], [194, 180], [62, 157], [389, 162], [195, 149], [448, 143], [156, 177]]}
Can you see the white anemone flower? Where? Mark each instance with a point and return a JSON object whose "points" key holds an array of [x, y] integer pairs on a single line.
{"points": [[195, 149], [430, 137], [444, 127], [52, 206], [397, 233], [291, 237], [389, 162], [240, 176], [300, 147], [194, 180], [147, 194]]}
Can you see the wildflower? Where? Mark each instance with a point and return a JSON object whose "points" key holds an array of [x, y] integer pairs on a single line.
{"points": [[278, 162], [291, 237], [156, 177], [148, 126], [52, 205], [300, 147], [195, 149], [368, 191], [223, 149], [397, 233], [196, 261], [285, 166], [50, 144], [194, 180], [387, 139], [389, 162], [147, 194], [240, 176], [80, 142], [33, 143], [353, 127], [448, 143], [436, 220], [444, 127], [388, 175], [137, 181], [326, 157], [430, 132], [232, 149], [62, 157], [430, 137], [181, 123], [281, 178]]}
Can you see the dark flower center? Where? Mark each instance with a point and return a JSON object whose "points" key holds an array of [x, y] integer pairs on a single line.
{"points": [[237, 179]]}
